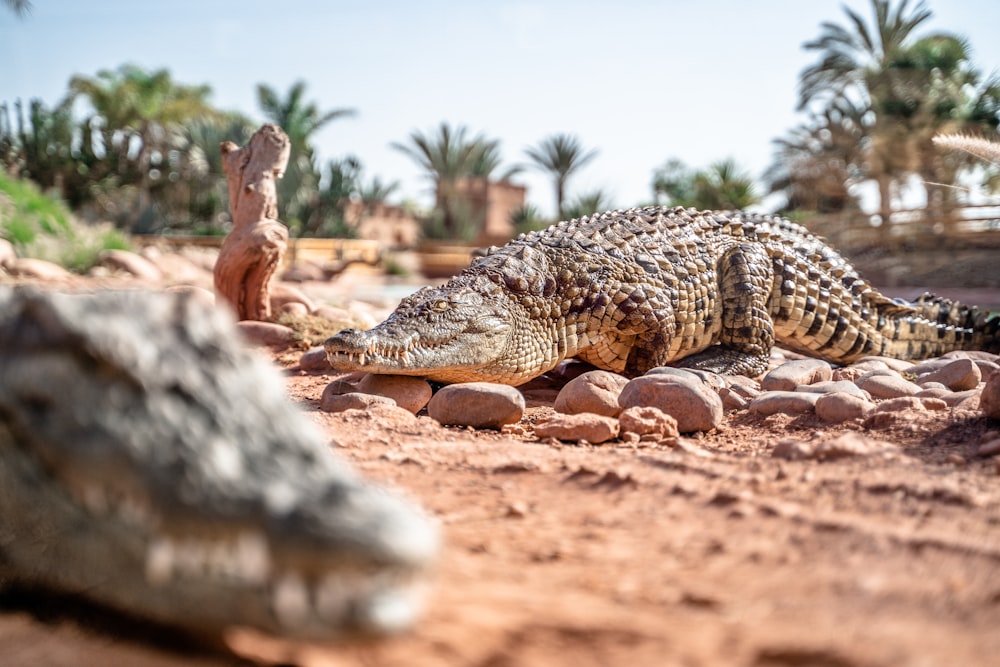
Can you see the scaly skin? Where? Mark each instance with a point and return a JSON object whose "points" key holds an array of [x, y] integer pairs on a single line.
{"points": [[631, 290], [150, 463]]}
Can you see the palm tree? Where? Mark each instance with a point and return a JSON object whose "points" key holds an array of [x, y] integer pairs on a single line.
{"points": [[450, 157], [561, 155], [300, 120], [19, 7], [588, 204], [136, 123], [723, 185]]}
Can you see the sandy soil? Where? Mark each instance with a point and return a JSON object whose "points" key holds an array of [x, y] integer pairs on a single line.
{"points": [[713, 553]]}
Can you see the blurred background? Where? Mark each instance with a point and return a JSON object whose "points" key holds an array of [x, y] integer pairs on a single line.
{"points": [[467, 123]]}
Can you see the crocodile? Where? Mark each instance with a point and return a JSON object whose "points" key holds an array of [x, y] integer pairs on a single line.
{"points": [[630, 290], [150, 463]]}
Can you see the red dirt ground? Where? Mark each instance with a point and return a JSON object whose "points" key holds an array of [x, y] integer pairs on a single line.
{"points": [[709, 553]]}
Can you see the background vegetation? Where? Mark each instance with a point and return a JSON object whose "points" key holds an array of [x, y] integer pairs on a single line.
{"points": [[139, 149]]}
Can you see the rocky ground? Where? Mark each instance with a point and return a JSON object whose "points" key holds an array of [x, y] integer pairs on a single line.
{"points": [[820, 516]]}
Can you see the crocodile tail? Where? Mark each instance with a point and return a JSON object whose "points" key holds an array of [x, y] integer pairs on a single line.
{"points": [[971, 328]]}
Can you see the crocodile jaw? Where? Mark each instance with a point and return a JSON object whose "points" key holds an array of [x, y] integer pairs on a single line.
{"points": [[453, 334]]}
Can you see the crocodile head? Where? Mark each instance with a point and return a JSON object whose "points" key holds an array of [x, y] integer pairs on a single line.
{"points": [[466, 330], [152, 464]]}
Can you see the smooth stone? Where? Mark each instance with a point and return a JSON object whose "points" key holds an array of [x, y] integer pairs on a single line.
{"points": [[128, 262], [840, 407], [477, 404], [957, 375], [267, 333], [334, 402], [409, 392], [574, 428], [695, 406], [890, 385], [792, 374], [784, 402], [646, 421], [989, 399], [314, 360], [595, 391]]}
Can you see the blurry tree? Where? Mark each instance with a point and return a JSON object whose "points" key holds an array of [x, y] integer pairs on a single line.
{"points": [[527, 218], [450, 156], [907, 90], [561, 155], [723, 185], [298, 190], [589, 203], [136, 126]]}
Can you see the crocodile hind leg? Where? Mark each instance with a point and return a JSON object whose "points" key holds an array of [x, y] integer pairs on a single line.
{"points": [[747, 335]]}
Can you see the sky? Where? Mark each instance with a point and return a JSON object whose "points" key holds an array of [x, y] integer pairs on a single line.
{"points": [[641, 81]]}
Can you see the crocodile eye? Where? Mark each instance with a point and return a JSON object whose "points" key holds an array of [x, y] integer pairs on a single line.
{"points": [[440, 306]]}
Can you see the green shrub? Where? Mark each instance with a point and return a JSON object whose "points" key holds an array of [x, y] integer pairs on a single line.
{"points": [[41, 226]]}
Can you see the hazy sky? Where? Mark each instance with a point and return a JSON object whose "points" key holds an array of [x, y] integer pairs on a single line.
{"points": [[641, 81]]}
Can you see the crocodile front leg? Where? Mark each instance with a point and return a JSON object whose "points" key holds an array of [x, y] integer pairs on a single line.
{"points": [[747, 335]]}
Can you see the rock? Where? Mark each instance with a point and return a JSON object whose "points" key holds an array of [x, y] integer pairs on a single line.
{"points": [[898, 365], [334, 402], [410, 393], [957, 375], [37, 269], [834, 387], [989, 448], [338, 316], [594, 391], [201, 294], [303, 271], [477, 404], [987, 368], [929, 366], [784, 402], [314, 360], [792, 374], [135, 265], [851, 444], [695, 406], [887, 384], [7, 254], [989, 399], [574, 428], [841, 407], [900, 403], [176, 268], [792, 450], [267, 333], [294, 308], [647, 421], [280, 294]]}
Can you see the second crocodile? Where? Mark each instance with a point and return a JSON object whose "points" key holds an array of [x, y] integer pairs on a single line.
{"points": [[631, 290]]}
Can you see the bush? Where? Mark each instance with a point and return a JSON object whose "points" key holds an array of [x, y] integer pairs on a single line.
{"points": [[42, 226]]}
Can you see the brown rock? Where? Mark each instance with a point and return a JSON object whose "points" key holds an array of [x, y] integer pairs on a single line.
{"points": [[594, 391], [575, 428], [887, 384], [334, 402], [135, 265], [37, 269], [792, 374], [957, 375], [792, 450], [281, 294], [648, 421], [314, 360], [784, 402], [989, 399], [695, 406], [477, 404], [410, 393], [841, 407], [7, 254], [899, 404], [267, 333], [294, 308]]}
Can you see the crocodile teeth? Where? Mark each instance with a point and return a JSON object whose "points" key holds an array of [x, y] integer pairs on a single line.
{"points": [[243, 558], [290, 598]]}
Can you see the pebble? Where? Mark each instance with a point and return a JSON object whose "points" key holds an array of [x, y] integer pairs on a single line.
{"points": [[280, 294], [784, 402], [841, 406], [695, 406], [834, 387], [791, 449], [477, 404], [272, 335], [295, 309], [575, 428], [314, 360], [648, 421], [334, 402], [957, 375], [882, 384], [851, 444], [128, 262], [989, 448], [594, 391], [410, 393], [898, 365], [37, 269], [7, 254], [792, 374], [989, 399]]}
